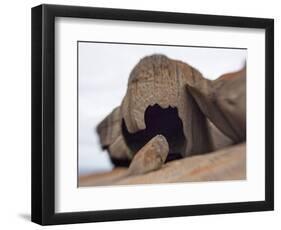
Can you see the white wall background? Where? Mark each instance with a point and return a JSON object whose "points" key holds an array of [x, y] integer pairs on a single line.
{"points": [[15, 114]]}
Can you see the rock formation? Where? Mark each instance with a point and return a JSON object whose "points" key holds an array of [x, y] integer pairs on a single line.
{"points": [[171, 98]]}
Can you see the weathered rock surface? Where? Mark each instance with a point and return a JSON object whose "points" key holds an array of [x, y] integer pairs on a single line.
{"points": [[223, 102], [157, 89], [112, 139], [195, 115], [226, 164], [150, 157]]}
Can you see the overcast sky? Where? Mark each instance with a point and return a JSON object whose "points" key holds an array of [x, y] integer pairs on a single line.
{"points": [[103, 74]]}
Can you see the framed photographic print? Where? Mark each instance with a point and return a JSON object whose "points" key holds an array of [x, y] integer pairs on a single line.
{"points": [[141, 114]]}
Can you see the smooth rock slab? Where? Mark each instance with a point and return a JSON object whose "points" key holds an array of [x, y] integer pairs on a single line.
{"points": [[225, 164]]}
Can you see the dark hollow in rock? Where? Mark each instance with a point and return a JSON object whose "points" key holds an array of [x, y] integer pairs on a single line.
{"points": [[158, 121], [120, 162]]}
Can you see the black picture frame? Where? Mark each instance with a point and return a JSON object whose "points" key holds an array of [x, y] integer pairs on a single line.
{"points": [[43, 114]]}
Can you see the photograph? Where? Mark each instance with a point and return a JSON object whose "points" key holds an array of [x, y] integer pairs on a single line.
{"points": [[160, 113], [140, 114]]}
